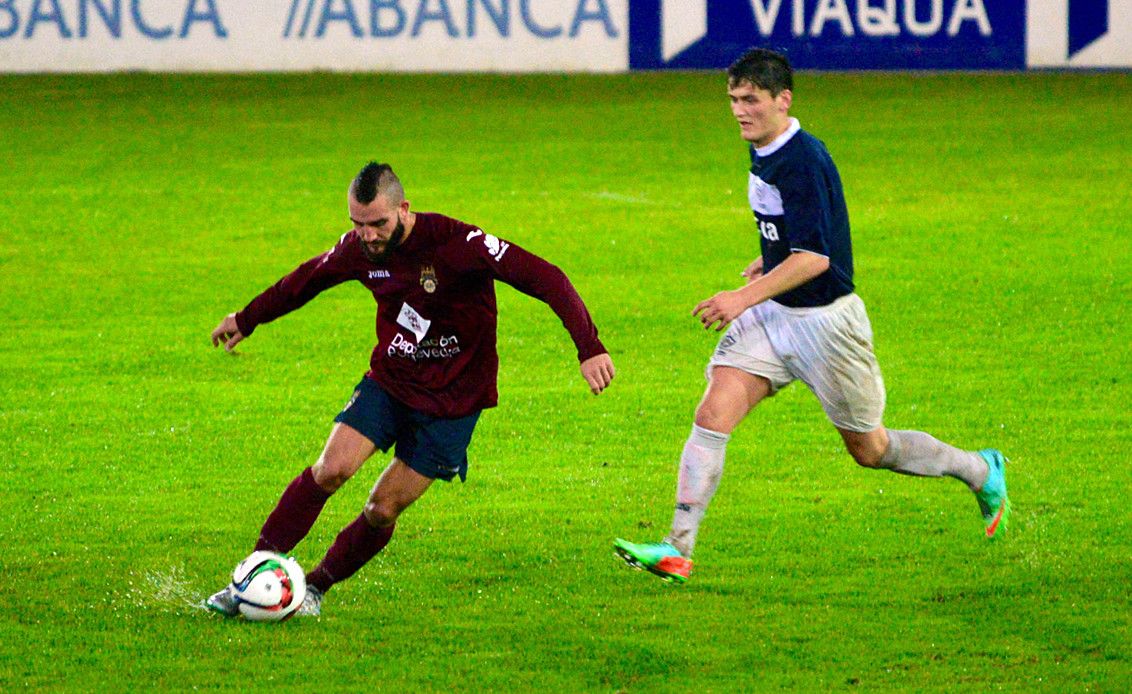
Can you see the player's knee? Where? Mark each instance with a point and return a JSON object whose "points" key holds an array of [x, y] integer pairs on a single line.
{"points": [[714, 418], [866, 456], [381, 513], [330, 476]]}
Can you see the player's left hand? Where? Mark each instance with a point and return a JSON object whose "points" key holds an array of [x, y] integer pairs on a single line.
{"points": [[753, 271], [227, 333], [722, 308], [598, 371]]}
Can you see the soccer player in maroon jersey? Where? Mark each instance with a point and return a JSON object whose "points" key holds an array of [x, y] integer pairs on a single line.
{"points": [[431, 374]]}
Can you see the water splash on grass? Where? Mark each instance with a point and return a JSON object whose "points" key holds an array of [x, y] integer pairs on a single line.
{"points": [[167, 590]]}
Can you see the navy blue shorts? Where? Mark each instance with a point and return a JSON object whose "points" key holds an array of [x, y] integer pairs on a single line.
{"points": [[433, 446]]}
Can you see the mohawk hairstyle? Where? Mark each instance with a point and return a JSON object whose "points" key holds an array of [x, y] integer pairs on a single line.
{"points": [[764, 68], [377, 179]]}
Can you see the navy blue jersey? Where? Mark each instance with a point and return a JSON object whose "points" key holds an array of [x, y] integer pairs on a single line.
{"points": [[795, 193]]}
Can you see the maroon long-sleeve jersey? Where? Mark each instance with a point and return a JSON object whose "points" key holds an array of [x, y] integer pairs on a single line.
{"points": [[436, 312]]}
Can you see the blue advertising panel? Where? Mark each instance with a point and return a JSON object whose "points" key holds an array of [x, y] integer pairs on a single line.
{"points": [[830, 34]]}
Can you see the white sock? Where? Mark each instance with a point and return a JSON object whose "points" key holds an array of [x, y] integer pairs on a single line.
{"points": [[701, 466], [922, 455]]}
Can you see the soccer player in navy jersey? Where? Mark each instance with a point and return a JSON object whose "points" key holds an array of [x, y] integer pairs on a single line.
{"points": [[797, 318], [431, 374]]}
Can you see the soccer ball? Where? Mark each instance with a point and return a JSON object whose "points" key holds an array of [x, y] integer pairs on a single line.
{"points": [[268, 587]]}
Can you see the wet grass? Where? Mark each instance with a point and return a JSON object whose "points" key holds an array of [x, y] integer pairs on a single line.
{"points": [[991, 229]]}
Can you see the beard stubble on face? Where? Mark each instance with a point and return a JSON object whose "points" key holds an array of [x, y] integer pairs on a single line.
{"points": [[390, 245]]}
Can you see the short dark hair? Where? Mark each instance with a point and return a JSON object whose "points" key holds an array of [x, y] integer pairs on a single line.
{"points": [[377, 179], [764, 68]]}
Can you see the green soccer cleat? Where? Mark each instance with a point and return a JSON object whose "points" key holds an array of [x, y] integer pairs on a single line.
{"points": [[993, 502], [659, 558]]}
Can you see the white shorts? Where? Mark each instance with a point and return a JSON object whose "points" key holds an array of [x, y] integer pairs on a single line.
{"points": [[829, 348]]}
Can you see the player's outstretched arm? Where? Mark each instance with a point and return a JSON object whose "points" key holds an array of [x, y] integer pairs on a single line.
{"points": [[598, 371], [228, 333]]}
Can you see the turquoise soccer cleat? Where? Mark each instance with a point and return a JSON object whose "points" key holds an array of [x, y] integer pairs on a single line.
{"points": [[659, 558], [993, 501]]}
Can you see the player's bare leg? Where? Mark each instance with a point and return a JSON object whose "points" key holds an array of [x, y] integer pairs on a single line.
{"points": [[397, 488], [731, 394], [345, 452], [922, 455]]}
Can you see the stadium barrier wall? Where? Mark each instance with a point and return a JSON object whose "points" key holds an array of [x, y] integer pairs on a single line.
{"points": [[557, 35]]}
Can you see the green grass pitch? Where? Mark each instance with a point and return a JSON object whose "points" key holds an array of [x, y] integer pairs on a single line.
{"points": [[991, 218]]}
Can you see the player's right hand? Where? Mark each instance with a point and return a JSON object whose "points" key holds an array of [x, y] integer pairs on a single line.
{"points": [[722, 308], [227, 332], [598, 371]]}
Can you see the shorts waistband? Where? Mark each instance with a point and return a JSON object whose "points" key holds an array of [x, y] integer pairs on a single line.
{"points": [[811, 310]]}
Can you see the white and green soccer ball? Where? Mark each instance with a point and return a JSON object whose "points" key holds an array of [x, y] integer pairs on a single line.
{"points": [[268, 587]]}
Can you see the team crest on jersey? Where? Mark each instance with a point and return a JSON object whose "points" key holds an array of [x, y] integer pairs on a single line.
{"points": [[428, 278]]}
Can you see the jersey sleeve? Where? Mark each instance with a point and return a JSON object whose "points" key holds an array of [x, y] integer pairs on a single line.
{"points": [[806, 205], [298, 287], [530, 274]]}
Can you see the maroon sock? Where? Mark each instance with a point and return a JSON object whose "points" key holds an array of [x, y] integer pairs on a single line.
{"points": [[354, 546], [294, 515]]}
